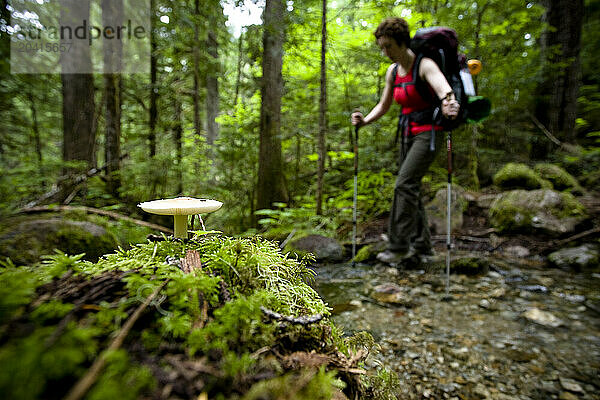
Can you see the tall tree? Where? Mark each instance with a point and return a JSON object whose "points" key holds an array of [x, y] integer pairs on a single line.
{"points": [[79, 132], [558, 91], [196, 61], [271, 186], [112, 15], [153, 109], [322, 111], [212, 88]]}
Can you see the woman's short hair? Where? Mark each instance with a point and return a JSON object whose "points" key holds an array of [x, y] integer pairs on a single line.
{"points": [[395, 28]]}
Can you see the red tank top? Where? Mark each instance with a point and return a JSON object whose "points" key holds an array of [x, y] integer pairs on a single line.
{"points": [[410, 100]]}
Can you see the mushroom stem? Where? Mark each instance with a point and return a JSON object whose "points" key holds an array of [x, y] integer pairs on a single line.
{"points": [[181, 224]]}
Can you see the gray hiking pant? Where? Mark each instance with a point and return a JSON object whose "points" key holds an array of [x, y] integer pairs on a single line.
{"points": [[408, 225]]}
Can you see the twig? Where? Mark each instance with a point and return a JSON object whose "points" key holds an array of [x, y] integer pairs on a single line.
{"points": [[545, 130], [86, 382], [91, 210]]}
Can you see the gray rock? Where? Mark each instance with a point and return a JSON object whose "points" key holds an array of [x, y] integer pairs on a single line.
{"points": [[545, 211], [30, 239], [323, 248], [436, 209], [581, 257]]}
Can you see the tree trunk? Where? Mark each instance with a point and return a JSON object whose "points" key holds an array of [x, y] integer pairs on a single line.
{"points": [[212, 89], [322, 112], [79, 136], [556, 106], [153, 83], [271, 186], [238, 79], [178, 138], [196, 59], [112, 15]]}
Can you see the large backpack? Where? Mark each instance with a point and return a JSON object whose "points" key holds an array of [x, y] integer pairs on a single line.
{"points": [[441, 45]]}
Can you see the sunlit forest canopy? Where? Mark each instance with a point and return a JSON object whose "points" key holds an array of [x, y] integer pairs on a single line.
{"points": [[188, 122]]}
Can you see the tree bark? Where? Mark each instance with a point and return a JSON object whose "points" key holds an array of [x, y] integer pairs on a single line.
{"points": [[178, 138], [153, 111], [271, 186], [196, 59], [112, 15], [556, 106], [212, 89], [238, 79], [79, 136], [322, 112]]}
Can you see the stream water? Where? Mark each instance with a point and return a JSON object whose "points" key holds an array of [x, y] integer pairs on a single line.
{"points": [[518, 331]]}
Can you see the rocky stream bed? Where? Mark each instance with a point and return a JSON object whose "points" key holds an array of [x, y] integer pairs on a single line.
{"points": [[520, 330]]}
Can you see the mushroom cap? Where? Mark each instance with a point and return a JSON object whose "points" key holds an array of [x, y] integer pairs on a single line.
{"points": [[180, 206]]}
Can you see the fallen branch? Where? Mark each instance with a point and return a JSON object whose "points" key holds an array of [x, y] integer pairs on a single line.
{"points": [[90, 377], [74, 183], [91, 210], [294, 320], [559, 243]]}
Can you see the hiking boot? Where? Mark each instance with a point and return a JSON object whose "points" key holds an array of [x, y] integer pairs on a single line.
{"points": [[394, 257]]}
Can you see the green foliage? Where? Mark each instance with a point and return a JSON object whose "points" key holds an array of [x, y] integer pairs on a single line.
{"points": [[306, 384], [375, 191]]}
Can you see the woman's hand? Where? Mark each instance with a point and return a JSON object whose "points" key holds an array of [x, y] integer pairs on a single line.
{"points": [[358, 119], [450, 107]]}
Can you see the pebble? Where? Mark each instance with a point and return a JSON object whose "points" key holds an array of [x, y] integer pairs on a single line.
{"points": [[570, 384]]}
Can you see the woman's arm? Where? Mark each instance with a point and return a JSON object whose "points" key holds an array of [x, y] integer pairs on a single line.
{"points": [[431, 73], [384, 103]]}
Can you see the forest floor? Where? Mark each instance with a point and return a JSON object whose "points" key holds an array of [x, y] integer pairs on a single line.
{"points": [[522, 330]]}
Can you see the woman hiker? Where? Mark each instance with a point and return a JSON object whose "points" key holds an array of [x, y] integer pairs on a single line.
{"points": [[408, 229]]}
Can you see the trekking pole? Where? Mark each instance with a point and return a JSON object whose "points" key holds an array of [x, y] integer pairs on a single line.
{"points": [[355, 196], [448, 213]]}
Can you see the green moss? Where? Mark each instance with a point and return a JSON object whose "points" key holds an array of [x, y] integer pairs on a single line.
{"points": [[560, 178], [520, 176], [505, 216], [365, 253], [470, 265], [514, 211], [211, 317], [307, 384]]}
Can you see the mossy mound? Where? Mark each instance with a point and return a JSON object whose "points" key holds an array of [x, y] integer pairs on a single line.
{"points": [[559, 177], [520, 176], [545, 211], [27, 239], [214, 317], [470, 265]]}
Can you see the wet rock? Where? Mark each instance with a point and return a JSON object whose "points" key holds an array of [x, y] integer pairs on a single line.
{"points": [[546, 211], [567, 396], [391, 293], [570, 384], [517, 251], [324, 248], [28, 240], [581, 257], [542, 318]]}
